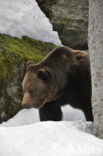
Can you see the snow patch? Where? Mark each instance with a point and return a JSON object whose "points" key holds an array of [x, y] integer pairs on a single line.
{"points": [[24, 17], [29, 116], [49, 139], [25, 135]]}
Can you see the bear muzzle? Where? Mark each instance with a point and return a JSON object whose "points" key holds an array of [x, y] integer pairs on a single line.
{"points": [[24, 105]]}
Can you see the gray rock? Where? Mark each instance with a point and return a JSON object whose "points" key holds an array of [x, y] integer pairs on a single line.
{"points": [[70, 19], [10, 101]]}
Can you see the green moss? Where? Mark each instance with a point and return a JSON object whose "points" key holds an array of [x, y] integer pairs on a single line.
{"points": [[67, 22], [14, 50]]}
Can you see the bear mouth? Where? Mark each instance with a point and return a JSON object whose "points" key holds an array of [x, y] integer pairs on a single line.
{"points": [[41, 104]]}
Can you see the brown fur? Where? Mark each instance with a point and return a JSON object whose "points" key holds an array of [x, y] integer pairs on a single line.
{"points": [[62, 77]]}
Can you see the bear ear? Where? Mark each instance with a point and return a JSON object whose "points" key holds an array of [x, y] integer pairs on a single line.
{"points": [[44, 74], [29, 64]]}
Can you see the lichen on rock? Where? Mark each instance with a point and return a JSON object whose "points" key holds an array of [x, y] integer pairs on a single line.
{"points": [[69, 19]]}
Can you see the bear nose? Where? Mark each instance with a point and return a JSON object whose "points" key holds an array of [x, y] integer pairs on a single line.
{"points": [[24, 105]]}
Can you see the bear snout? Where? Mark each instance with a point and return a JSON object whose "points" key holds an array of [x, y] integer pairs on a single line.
{"points": [[24, 105], [26, 100]]}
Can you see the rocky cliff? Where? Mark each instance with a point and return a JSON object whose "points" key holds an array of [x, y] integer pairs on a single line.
{"points": [[70, 19], [14, 53]]}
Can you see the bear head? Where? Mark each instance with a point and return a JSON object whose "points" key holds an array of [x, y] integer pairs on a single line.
{"points": [[37, 86]]}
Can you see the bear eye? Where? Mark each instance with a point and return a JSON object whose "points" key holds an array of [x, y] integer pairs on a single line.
{"points": [[79, 57]]}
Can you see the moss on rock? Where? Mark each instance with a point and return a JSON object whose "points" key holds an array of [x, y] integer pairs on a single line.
{"points": [[14, 53], [14, 50]]}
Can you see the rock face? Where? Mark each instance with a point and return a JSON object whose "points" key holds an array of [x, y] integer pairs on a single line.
{"points": [[70, 19], [14, 53]]}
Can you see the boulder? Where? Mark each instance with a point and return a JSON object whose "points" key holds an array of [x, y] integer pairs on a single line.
{"points": [[70, 19]]}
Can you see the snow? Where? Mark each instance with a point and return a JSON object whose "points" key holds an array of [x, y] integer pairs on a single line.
{"points": [[25, 135], [29, 116], [49, 139], [24, 17]]}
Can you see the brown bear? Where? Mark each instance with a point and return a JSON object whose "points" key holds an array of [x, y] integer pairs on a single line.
{"points": [[63, 77]]}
